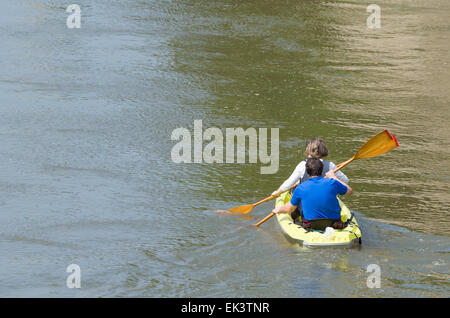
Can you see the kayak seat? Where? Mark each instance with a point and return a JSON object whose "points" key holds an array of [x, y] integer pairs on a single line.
{"points": [[321, 224]]}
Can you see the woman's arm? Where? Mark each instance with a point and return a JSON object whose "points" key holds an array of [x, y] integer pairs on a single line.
{"points": [[295, 176]]}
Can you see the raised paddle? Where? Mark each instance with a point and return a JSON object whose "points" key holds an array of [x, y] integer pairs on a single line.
{"points": [[375, 146]]}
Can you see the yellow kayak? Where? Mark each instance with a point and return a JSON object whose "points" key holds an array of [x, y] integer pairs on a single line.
{"points": [[348, 236]]}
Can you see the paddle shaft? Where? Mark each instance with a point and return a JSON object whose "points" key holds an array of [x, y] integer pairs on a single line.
{"points": [[265, 219], [274, 196], [343, 164]]}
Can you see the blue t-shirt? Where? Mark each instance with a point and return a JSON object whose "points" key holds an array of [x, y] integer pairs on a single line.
{"points": [[318, 198]]}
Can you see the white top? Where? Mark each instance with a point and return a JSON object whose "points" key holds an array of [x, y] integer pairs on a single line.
{"points": [[300, 174]]}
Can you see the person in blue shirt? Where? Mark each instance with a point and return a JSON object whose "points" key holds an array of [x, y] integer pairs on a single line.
{"points": [[317, 195]]}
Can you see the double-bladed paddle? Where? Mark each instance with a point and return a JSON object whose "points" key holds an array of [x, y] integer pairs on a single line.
{"points": [[375, 146]]}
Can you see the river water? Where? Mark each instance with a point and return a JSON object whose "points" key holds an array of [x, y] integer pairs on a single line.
{"points": [[87, 177]]}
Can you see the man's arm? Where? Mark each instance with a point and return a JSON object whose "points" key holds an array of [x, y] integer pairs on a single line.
{"points": [[341, 176], [287, 208], [330, 174]]}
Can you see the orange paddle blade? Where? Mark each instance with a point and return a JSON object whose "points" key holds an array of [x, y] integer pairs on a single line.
{"points": [[242, 209], [377, 145]]}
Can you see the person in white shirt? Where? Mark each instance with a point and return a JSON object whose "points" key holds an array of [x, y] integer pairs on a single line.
{"points": [[315, 148]]}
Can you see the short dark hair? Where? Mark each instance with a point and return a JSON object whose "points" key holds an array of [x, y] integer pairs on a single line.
{"points": [[314, 167]]}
